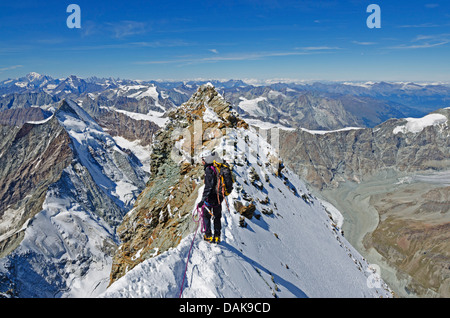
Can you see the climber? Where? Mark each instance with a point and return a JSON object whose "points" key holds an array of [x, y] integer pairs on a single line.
{"points": [[210, 201]]}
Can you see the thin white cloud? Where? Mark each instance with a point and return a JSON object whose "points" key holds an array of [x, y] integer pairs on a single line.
{"points": [[433, 37], [425, 42], [364, 43], [422, 25], [419, 46], [237, 57], [8, 68], [131, 45], [127, 28], [116, 29], [318, 48], [214, 51]]}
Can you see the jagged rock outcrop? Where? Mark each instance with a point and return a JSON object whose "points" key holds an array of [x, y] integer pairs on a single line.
{"points": [[26, 100], [161, 216], [245, 210], [31, 159], [118, 124], [19, 116]]}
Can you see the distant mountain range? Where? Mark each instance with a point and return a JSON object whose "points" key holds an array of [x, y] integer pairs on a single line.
{"points": [[307, 105]]}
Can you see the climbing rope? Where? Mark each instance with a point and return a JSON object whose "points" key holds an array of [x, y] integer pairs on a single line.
{"points": [[197, 216]]}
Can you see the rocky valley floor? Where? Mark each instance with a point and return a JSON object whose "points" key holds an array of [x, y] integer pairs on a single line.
{"points": [[401, 222]]}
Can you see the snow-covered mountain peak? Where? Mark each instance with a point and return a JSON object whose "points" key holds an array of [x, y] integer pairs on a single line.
{"points": [[205, 94], [278, 240], [33, 76], [78, 185]]}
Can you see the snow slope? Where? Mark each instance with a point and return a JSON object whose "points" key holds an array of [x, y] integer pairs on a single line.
{"points": [[297, 251], [66, 249]]}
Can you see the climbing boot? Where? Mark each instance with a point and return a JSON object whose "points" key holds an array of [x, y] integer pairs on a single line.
{"points": [[216, 239], [208, 238]]}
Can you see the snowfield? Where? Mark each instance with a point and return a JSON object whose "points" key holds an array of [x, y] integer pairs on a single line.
{"points": [[251, 105], [293, 248], [323, 132], [416, 125], [153, 116]]}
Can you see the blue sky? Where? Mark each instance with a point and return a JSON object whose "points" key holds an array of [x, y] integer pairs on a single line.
{"points": [[247, 39]]}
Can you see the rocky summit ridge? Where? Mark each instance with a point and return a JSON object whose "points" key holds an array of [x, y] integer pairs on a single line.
{"points": [[278, 240], [160, 217]]}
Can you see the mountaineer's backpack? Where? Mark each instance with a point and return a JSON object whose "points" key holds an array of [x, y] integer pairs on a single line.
{"points": [[225, 178]]}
